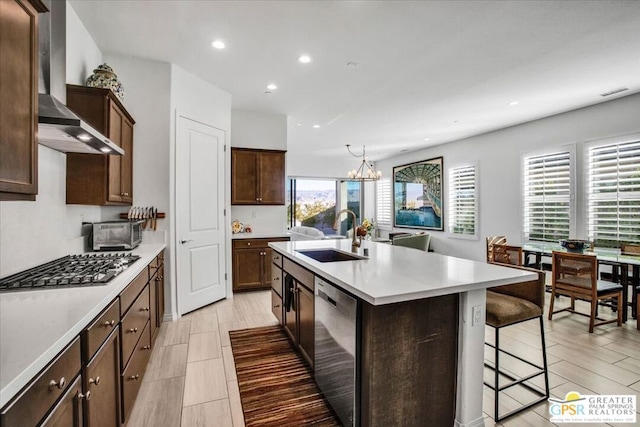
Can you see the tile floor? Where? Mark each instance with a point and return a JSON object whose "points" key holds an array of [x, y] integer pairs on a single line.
{"points": [[191, 382]]}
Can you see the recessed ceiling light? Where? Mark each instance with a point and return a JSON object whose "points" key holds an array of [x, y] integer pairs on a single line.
{"points": [[299, 124], [305, 59], [512, 103], [426, 139], [316, 126], [218, 44], [271, 86]]}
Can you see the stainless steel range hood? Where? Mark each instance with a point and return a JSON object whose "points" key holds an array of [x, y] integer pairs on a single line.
{"points": [[59, 127]]}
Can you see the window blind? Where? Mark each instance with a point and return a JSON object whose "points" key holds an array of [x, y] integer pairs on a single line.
{"points": [[383, 202], [614, 193], [547, 196], [462, 201]]}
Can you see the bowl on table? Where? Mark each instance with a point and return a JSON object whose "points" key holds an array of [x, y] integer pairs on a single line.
{"points": [[575, 245]]}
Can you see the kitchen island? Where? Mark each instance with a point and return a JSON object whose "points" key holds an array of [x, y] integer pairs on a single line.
{"points": [[420, 328]]}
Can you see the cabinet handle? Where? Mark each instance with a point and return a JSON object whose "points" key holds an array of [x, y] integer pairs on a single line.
{"points": [[60, 384], [133, 330], [158, 279], [276, 257], [276, 278], [86, 396], [276, 306], [248, 243], [134, 377], [144, 309], [107, 323], [146, 347], [95, 382]]}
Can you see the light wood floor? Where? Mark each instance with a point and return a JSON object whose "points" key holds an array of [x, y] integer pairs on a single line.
{"points": [[191, 381]]}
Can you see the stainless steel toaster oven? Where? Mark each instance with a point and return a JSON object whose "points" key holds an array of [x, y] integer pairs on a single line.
{"points": [[116, 235]]}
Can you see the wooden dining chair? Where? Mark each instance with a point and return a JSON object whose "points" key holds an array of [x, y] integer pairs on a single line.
{"points": [[509, 305], [576, 276], [507, 254], [491, 241], [633, 276]]}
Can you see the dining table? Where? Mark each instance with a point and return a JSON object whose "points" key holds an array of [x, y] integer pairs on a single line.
{"points": [[621, 264]]}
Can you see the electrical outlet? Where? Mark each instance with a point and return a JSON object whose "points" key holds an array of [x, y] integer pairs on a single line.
{"points": [[253, 214], [476, 315]]}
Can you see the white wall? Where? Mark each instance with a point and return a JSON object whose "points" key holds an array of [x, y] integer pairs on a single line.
{"points": [[83, 52], [498, 157]]}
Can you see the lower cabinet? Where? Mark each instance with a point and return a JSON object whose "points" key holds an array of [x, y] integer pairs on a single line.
{"points": [[95, 380], [102, 380], [68, 411], [298, 314], [252, 263]]}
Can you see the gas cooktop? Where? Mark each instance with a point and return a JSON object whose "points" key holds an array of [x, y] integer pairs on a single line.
{"points": [[71, 270]]}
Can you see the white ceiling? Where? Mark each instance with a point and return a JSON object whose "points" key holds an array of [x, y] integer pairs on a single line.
{"points": [[427, 69]]}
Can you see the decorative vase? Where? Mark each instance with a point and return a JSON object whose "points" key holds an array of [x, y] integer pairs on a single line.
{"points": [[104, 77]]}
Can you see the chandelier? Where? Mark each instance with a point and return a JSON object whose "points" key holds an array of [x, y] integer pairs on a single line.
{"points": [[365, 172]]}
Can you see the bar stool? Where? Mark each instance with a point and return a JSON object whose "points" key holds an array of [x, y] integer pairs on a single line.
{"points": [[506, 306]]}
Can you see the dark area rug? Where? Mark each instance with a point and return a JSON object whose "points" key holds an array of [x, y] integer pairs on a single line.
{"points": [[276, 386]]}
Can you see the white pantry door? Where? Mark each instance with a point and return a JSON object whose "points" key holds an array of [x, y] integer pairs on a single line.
{"points": [[200, 240]]}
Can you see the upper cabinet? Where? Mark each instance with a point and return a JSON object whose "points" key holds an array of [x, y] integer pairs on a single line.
{"points": [[94, 179], [19, 98], [257, 177]]}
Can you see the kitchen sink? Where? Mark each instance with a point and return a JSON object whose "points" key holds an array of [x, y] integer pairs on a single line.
{"points": [[329, 255]]}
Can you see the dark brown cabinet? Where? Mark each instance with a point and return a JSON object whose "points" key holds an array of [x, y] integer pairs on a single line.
{"points": [[68, 411], [252, 263], [94, 179], [298, 314], [257, 177], [157, 290], [102, 380], [19, 98]]}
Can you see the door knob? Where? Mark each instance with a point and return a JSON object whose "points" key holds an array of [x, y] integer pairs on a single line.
{"points": [[185, 241]]}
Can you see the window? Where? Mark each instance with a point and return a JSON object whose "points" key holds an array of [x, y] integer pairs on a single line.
{"points": [[614, 193], [547, 191], [383, 203], [463, 217], [315, 202]]}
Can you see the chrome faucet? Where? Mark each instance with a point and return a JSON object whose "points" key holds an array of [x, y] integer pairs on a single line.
{"points": [[355, 243]]}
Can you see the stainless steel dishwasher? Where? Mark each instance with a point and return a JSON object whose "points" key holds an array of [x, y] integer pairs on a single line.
{"points": [[335, 349]]}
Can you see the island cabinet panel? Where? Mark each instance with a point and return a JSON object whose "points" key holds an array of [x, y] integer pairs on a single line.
{"points": [[298, 316], [19, 98], [257, 177], [418, 388], [95, 179]]}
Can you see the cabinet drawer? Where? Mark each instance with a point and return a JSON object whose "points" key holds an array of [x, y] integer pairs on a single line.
{"points": [[301, 274], [95, 334], [155, 264], [276, 258], [276, 306], [34, 402], [133, 373], [276, 280], [133, 324], [250, 243], [133, 290]]}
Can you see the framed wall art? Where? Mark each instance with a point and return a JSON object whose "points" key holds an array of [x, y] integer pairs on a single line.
{"points": [[417, 195]]}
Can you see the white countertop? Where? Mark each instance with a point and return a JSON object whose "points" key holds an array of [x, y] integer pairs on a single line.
{"points": [[395, 273], [36, 325]]}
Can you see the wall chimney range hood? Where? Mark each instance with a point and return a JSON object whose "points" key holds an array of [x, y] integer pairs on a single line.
{"points": [[60, 128]]}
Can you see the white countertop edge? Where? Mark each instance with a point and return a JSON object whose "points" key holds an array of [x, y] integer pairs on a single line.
{"points": [[147, 253], [515, 276]]}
